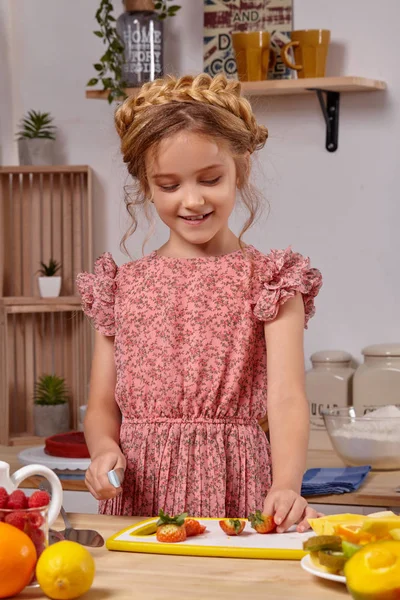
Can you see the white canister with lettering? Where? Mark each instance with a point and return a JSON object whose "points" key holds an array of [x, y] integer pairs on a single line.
{"points": [[377, 380], [328, 385]]}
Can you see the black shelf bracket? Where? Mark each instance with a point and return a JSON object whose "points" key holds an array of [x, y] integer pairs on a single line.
{"points": [[330, 111]]}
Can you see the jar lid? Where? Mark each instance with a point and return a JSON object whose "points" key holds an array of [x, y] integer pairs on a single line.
{"points": [[331, 356], [382, 350], [136, 5]]}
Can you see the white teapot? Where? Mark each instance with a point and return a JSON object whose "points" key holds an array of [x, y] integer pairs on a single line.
{"points": [[11, 483]]}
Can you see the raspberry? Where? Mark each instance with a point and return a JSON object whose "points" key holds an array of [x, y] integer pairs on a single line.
{"points": [[37, 537], [35, 520], [17, 500], [38, 500], [17, 519], [3, 498]]}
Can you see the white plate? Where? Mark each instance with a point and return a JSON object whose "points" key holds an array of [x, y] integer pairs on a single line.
{"points": [[37, 455], [308, 566]]}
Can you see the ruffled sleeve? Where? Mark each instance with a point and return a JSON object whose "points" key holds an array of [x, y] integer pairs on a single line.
{"points": [[97, 291], [283, 274]]}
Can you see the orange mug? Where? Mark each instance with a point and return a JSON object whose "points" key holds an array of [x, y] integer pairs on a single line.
{"points": [[310, 48], [253, 54]]}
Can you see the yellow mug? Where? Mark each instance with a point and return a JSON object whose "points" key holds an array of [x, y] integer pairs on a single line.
{"points": [[310, 48], [253, 54]]}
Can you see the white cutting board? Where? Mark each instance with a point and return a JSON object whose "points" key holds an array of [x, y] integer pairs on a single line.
{"points": [[214, 542]]}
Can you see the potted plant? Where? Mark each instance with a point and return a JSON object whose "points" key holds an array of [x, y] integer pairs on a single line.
{"points": [[51, 406], [109, 69], [49, 283], [36, 139]]}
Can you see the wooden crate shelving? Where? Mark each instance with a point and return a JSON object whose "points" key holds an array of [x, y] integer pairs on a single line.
{"points": [[45, 212]]}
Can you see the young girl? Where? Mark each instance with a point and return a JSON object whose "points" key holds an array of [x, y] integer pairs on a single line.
{"points": [[187, 337]]}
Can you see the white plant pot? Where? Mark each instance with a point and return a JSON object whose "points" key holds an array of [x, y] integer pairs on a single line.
{"points": [[49, 287], [36, 151]]}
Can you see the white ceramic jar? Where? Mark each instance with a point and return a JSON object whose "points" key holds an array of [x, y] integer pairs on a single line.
{"points": [[377, 381], [328, 385]]}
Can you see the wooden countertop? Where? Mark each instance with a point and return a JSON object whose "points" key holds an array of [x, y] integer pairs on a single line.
{"points": [[377, 490], [126, 575]]}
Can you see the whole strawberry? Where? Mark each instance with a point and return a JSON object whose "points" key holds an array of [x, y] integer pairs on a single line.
{"points": [[193, 527], [171, 529], [3, 498], [232, 526], [17, 500], [262, 523], [38, 499]]}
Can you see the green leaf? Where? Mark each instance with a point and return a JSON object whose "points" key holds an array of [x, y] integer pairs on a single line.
{"points": [[50, 390], [98, 66], [99, 34], [92, 81]]}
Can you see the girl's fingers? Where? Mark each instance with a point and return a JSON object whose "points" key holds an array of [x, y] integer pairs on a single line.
{"points": [[295, 513]]}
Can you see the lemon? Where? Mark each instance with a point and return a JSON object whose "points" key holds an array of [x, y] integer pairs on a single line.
{"points": [[65, 570]]}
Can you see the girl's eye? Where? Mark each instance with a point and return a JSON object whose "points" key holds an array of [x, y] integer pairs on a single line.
{"points": [[212, 181], [169, 188]]}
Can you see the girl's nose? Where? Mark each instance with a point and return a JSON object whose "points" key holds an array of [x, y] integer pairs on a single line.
{"points": [[192, 198]]}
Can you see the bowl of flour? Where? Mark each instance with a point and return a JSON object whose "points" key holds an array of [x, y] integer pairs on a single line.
{"points": [[366, 439]]}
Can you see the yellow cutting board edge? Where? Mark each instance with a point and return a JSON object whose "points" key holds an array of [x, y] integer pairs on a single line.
{"points": [[113, 543]]}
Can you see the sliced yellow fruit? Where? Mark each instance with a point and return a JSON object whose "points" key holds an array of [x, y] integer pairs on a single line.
{"points": [[380, 527], [327, 525], [381, 514], [395, 534], [373, 573]]}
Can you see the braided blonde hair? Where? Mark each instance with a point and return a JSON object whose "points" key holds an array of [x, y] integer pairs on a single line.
{"points": [[209, 106]]}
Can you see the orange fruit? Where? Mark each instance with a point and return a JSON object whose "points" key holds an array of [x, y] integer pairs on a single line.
{"points": [[17, 560], [354, 534]]}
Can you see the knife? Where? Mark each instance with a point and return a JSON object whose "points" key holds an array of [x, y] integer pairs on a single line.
{"points": [[116, 477]]}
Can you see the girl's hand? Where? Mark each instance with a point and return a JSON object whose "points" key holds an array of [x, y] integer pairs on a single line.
{"points": [[96, 476], [288, 508]]}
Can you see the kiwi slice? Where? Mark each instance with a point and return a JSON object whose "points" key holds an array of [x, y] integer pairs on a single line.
{"points": [[349, 549], [332, 559], [323, 542]]}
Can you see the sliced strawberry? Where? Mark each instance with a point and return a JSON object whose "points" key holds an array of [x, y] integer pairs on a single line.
{"points": [[17, 519], [193, 527], [38, 499], [17, 500], [232, 526], [3, 498], [171, 529], [262, 523]]}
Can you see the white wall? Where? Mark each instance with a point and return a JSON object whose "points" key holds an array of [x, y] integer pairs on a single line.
{"points": [[341, 209]]}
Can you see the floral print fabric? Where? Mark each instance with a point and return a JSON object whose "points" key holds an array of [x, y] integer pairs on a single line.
{"points": [[190, 358]]}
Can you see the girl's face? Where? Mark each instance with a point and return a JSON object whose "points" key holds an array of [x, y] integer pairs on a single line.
{"points": [[193, 185]]}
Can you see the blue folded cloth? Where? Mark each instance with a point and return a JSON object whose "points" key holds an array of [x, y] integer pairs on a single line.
{"points": [[319, 482]]}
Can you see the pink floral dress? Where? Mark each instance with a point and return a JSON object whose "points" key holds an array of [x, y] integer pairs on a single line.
{"points": [[190, 358]]}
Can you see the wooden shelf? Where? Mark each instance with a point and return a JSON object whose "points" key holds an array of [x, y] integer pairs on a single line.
{"points": [[45, 169], [23, 304], [26, 439], [285, 87]]}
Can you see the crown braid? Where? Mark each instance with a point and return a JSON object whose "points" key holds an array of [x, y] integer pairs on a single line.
{"points": [[218, 91]]}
